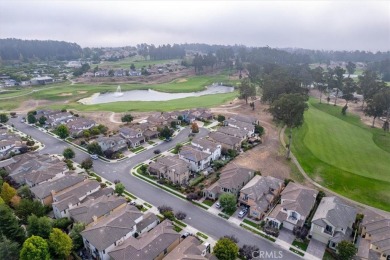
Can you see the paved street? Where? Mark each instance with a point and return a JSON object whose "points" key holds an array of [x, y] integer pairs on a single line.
{"points": [[196, 217]]}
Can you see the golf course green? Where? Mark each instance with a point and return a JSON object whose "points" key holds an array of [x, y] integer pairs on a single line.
{"points": [[341, 153]]}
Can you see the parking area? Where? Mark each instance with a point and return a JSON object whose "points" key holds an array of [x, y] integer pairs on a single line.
{"points": [[316, 248]]}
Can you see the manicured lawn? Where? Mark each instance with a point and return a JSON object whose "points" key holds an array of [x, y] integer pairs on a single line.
{"points": [[229, 213], [296, 251], [344, 155], [253, 224], [202, 235], [301, 245], [137, 149], [208, 202], [177, 228]]}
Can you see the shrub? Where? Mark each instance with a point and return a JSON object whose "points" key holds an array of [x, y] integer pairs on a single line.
{"points": [[180, 215], [164, 208]]}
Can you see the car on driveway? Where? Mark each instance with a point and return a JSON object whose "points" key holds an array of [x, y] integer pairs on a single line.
{"points": [[218, 205], [243, 212]]}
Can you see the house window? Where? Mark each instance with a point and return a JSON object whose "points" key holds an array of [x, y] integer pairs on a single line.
{"points": [[245, 197], [328, 229]]}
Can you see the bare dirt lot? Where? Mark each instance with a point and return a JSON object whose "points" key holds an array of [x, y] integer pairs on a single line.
{"points": [[266, 157]]}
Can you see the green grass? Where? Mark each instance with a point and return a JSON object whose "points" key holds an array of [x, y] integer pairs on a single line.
{"points": [[258, 232], [130, 195], [301, 245], [147, 205], [178, 222], [138, 62], [208, 202], [202, 235], [137, 149], [223, 216], [343, 154], [229, 213], [250, 223], [177, 228]]}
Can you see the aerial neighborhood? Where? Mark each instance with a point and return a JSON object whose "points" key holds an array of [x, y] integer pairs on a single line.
{"points": [[194, 151]]}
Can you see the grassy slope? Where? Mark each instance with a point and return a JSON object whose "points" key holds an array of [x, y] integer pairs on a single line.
{"points": [[322, 146]]}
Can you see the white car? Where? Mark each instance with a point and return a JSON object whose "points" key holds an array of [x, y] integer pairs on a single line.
{"points": [[218, 205], [94, 156], [242, 213]]}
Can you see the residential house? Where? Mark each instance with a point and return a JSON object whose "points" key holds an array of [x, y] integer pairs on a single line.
{"points": [[332, 222], [55, 118], [41, 80], [247, 128], [201, 114], [231, 180], [120, 73], [101, 73], [115, 143], [102, 236], [65, 200], [149, 221], [45, 191], [158, 119], [208, 146], [171, 168], [259, 194], [245, 119], [92, 210], [22, 165], [191, 248], [148, 130], [36, 177], [296, 203], [132, 135], [198, 159], [231, 131], [375, 236], [154, 244], [77, 126], [10, 144], [227, 142]]}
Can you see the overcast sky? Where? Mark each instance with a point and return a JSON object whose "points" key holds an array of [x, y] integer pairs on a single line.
{"points": [[361, 25]]}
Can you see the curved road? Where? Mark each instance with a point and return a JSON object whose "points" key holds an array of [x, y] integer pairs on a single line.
{"points": [[196, 217]]}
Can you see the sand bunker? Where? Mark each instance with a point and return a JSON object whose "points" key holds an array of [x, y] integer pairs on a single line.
{"points": [[65, 94], [181, 80]]}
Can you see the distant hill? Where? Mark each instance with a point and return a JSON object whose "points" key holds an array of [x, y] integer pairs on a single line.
{"points": [[24, 50]]}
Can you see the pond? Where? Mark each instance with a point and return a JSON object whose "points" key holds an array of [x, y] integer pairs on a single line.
{"points": [[150, 95]]}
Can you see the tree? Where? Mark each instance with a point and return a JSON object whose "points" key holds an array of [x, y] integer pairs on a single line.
{"points": [[178, 148], [166, 133], [127, 118], [339, 74], [61, 223], [29, 207], [173, 124], [164, 208], [24, 192], [95, 148], [226, 249], [86, 134], [9, 225], [1, 201], [7, 192], [228, 201], [68, 153], [62, 131], [87, 164], [9, 249], [180, 215], [378, 105], [169, 215], [346, 250], [289, 109], [132, 67], [247, 89], [42, 120], [232, 238], [39, 226], [35, 248], [246, 251], [195, 127], [74, 234], [318, 77], [259, 130], [351, 67], [221, 118], [3, 118], [119, 188], [60, 244], [31, 118], [369, 85], [349, 88]]}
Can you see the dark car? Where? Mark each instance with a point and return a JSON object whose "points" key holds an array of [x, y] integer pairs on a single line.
{"points": [[168, 139], [157, 151]]}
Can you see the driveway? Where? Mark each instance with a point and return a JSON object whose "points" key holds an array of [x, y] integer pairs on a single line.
{"points": [[316, 248], [200, 219], [286, 235]]}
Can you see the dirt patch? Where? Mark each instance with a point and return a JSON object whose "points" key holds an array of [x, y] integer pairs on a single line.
{"points": [[82, 92], [181, 80], [29, 105], [65, 94], [264, 157]]}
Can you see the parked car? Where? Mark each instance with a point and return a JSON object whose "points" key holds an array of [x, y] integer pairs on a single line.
{"points": [[241, 214], [94, 156], [218, 205], [168, 139], [157, 151], [186, 234], [132, 203]]}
